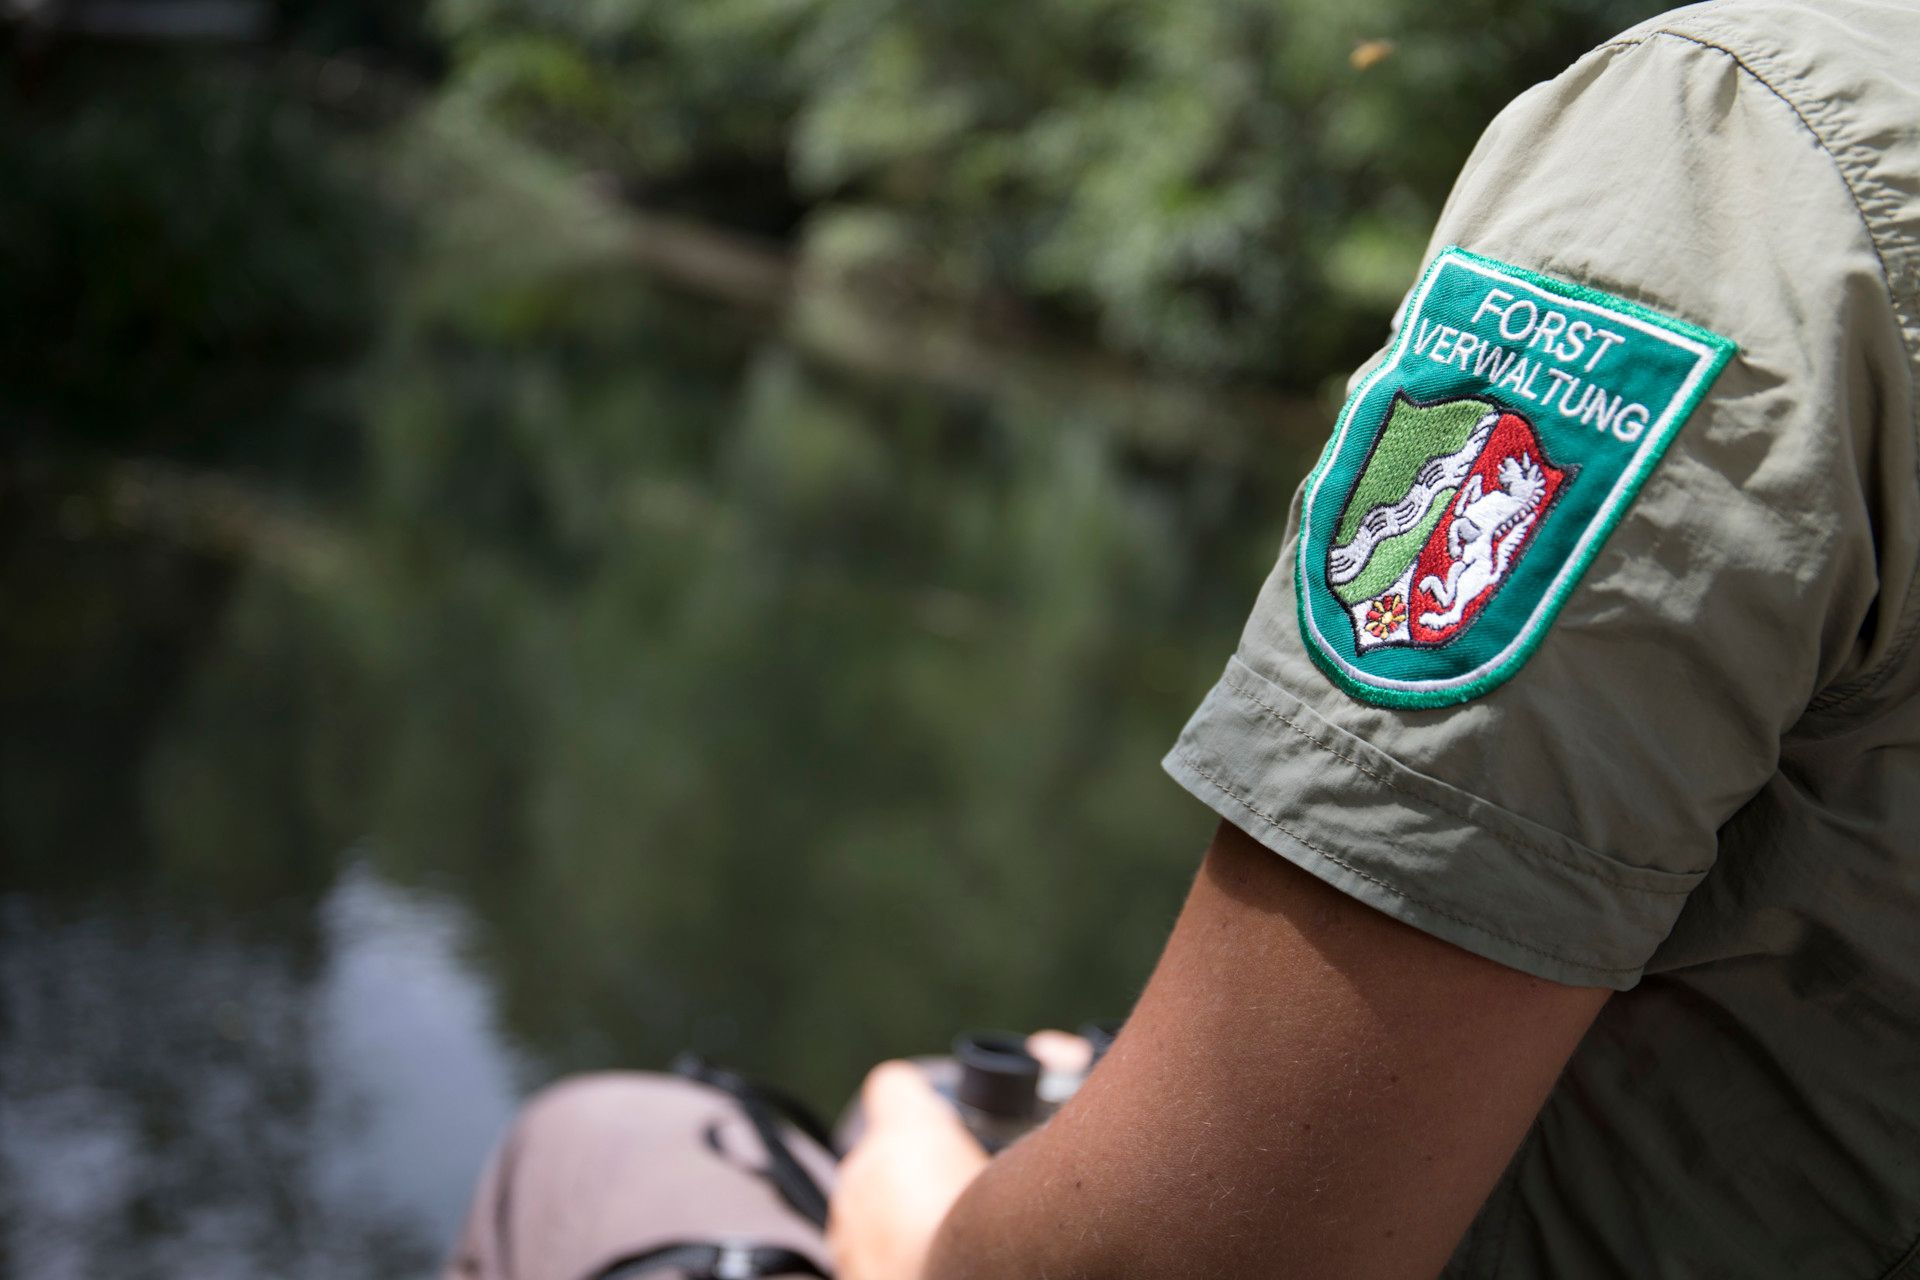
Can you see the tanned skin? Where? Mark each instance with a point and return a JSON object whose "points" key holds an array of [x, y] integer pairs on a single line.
{"points": [[1307, 1087]]}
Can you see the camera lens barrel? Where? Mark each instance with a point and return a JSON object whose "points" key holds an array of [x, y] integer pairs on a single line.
{"points": [[998, 1077]]}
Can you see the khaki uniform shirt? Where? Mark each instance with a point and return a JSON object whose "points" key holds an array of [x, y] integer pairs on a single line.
{"points": [[1601, 665]]}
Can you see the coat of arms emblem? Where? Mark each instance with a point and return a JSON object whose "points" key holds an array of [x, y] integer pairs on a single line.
{"points": [[1447, 503], [1476, 471]]}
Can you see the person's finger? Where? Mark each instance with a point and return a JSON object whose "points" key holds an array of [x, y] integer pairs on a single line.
{"points": [[1060, 1051], [898, 1092]]}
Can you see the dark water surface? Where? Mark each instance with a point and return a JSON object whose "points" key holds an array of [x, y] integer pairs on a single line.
{"points": [[518, 704]]}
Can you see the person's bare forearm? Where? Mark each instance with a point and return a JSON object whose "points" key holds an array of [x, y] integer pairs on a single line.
{"points": [[1001, 1228], [1306, 1088]]}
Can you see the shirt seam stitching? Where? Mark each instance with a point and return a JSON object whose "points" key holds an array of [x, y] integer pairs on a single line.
{"points": [[1271, 820], [1558, 859], [1745, 66], [1866, 682]]}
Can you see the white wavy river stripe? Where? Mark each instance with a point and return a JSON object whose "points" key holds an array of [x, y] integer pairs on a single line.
{"points": [[1389, 520]]}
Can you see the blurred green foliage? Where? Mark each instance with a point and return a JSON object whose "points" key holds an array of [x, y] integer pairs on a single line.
{"points": [[1237, 187], [730, 685], [631, 616], [179, 239]]}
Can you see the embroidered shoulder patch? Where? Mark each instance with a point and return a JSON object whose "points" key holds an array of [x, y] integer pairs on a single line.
{"points": [[1474, 474]]}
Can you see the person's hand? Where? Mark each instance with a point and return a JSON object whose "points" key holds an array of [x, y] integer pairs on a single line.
{"points": [[1061, 1051], [910, 1165]]}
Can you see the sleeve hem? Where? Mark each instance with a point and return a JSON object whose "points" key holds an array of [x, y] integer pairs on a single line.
{"points": [[1441, 860]]}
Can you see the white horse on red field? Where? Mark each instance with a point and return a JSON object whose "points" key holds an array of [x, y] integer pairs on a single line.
{"points": [[1487, 529]]}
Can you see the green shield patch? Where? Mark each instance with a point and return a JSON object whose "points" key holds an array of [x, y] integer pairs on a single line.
{"points": [[1474, 474]]}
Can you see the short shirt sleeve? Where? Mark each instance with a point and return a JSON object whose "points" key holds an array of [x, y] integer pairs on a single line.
{"points": [[1546, 610]]}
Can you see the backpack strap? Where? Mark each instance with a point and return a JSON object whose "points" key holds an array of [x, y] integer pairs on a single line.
{"points": [[765, 1109], [707, 1261]]}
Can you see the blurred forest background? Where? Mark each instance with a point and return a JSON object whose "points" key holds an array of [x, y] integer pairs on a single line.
{"points": [[539, 533]]}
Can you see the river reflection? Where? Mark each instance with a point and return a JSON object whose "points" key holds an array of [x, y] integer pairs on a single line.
{"points": [[623, 678], [181, 1099]]}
